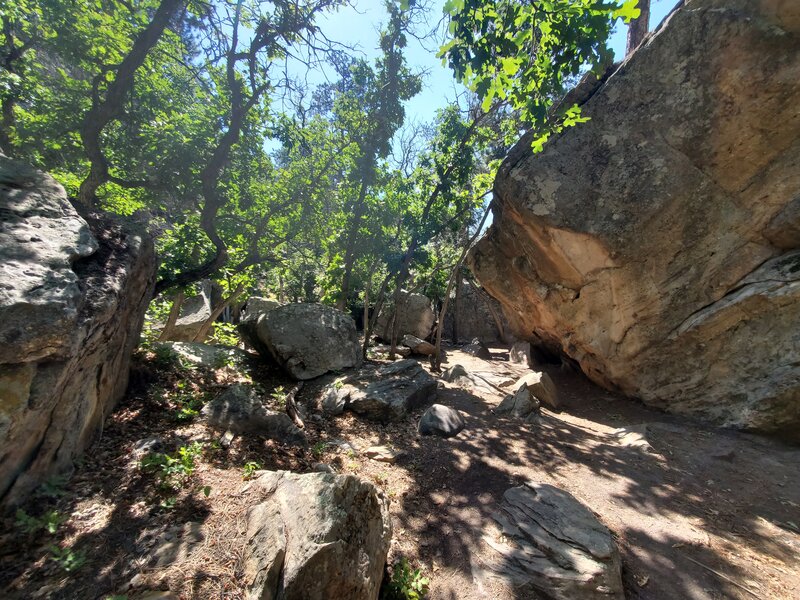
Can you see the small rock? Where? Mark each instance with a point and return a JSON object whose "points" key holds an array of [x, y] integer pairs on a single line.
{"points": [[227, 439], [520, 404], [442, 421], [385, 349], [383, 454], [418, 346], [477, 349], [143, 447], [541, 387], [322, 468]]}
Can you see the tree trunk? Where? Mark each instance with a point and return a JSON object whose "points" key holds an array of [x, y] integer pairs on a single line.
{"points": [[638, 28], [202, 334], [456, 303], [174, 313]]}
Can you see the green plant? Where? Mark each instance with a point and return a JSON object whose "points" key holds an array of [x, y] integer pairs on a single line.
{"points": [[189, 405], [405, 584], [173, 470], [318, 449], [67, 558], [53, 487], [49, 521], [225, 334], [250, 468], [165, 357], [278, 396]]}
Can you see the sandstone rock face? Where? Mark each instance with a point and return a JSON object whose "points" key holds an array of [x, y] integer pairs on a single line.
{"points": [[414, 315], [552, 545], [316, 536], [309, 340], [386, 393], [657, 244], [479, 316], [72, 298]]}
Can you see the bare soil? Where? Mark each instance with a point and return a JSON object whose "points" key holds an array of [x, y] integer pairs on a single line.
{"points": [[698, 513]]}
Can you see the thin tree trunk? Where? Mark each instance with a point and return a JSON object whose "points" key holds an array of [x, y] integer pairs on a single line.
{"points": [[291, 405], [380, 298], [487, 301], [174, 312], [437, 361], [202, 334], [638, 28], [456, 304]]}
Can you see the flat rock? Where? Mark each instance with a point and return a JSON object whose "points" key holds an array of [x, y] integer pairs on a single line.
{"points": [[205, 355], [385, 349], [316, 536], [240, 410], [383, 454], [441, 421], [551, 544], [385, 393]]}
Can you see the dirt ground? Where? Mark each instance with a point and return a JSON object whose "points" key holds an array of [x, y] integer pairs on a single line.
{"points": [[698, 513]]}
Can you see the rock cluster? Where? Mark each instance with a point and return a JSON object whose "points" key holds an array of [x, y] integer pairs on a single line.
{"points": [[73, 292], [657, 244]]}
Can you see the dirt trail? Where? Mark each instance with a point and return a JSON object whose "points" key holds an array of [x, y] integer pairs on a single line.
{"points": [[698, 513], [695, 502]]}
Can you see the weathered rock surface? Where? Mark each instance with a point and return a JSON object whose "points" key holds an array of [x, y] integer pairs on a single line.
{"points": [[308, 340], [73, 292], [552, 545], [479, 316], [316, 536], [240, 410], [385, 349], [541, 386], [414, 316], [441, 421], [657, 244], [519, 404], [418, 346], [385, 393]]}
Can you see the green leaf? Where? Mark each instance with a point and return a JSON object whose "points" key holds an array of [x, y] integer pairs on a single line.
{"points": [[628, 11]]}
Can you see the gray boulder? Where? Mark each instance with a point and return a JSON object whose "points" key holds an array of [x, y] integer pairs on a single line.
{"points": [[541, 387], [316, 536], [73, 292], [551, 544], [657, 244], [441, 421], [519, 404], [195, 311], [414, 316], [240, 410], [385, 393], [308, 340]]}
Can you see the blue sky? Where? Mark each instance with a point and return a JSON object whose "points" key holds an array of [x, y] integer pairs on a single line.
{"points": [[358, 26]]}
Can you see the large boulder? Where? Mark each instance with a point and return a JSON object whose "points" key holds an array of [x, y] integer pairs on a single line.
{"points": [[254, 308], [551, 544], [316, 536], [308, 340], [479, 316], [657, 244], [73, 292], [195, 311], [385, 393], [414, 317]]}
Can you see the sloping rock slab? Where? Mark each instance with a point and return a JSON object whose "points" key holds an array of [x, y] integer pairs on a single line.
{"points": [[552, 545], [316, 536], [240, 410], [309, 340], [73, 291], [386, 393]]}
